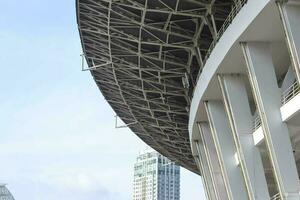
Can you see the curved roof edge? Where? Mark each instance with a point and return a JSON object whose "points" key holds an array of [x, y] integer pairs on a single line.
{"points": [[145, 60]]}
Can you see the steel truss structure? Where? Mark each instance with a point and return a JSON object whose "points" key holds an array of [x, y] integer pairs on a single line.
{"points": [[145, 56]]}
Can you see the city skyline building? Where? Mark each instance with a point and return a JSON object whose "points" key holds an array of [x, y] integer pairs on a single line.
{"points": [[5, 193], [155, 177]]}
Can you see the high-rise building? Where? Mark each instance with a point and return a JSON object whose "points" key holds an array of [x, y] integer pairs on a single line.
{"points": [[4, 193], [155, 177]]}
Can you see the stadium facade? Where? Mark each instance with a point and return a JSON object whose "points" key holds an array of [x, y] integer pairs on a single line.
{"points": [[155, 177], [211, 84]]}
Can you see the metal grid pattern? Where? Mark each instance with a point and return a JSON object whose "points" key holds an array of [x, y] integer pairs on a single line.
{"points": [[290, 93], [145, 56]]}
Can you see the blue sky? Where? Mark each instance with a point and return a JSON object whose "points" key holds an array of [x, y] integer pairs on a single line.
{"points": [[57, 135]]}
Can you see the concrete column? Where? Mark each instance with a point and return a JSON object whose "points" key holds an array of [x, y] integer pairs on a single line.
{"points": [[204, 181], [267, 97], [290, 16], [240, 119], [231, 172], [206, 173], [212, 158], [288, 80]]}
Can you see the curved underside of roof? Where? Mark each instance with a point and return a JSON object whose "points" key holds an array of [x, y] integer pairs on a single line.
{"points": [[145, 56]]}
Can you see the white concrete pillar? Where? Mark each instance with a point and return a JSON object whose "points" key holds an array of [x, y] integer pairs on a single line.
{"points": [[223, 141], [288, 80], [241, 121], [290, 16], [206, 173], [203, 177], [267, 96], [212, 158]]}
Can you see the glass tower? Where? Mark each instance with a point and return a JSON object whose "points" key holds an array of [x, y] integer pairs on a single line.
{"points": [[4, 193], [155, 177]]}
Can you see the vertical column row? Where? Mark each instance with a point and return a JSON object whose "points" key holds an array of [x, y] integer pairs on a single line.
{"points": [[267, 97], [228, 132], [204, 182], [225, 148], [230, 122], [211, 155], [240, 119], [290, 16], [208, 179]]}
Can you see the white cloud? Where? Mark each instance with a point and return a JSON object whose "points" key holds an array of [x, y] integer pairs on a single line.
{"points": [[80, 181], [74, 148]]}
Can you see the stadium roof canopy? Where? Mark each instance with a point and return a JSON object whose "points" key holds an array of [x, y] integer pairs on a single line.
{"points": [[146, 55]]}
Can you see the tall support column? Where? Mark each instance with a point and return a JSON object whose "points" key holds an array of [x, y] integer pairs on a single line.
{"points": [[290, 16], [212, 158], [231, 172], [267, 97], [288, 80], [240, 119], [204, 183], [206, 173]]}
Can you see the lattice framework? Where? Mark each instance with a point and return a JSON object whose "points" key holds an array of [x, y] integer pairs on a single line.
{"points": [[145, 56]]}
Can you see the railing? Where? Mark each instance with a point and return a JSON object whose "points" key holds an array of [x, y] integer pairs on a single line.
{"points": [[287, 95], [256, 122], [290, 93], [235, 10], [276, 197]]}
